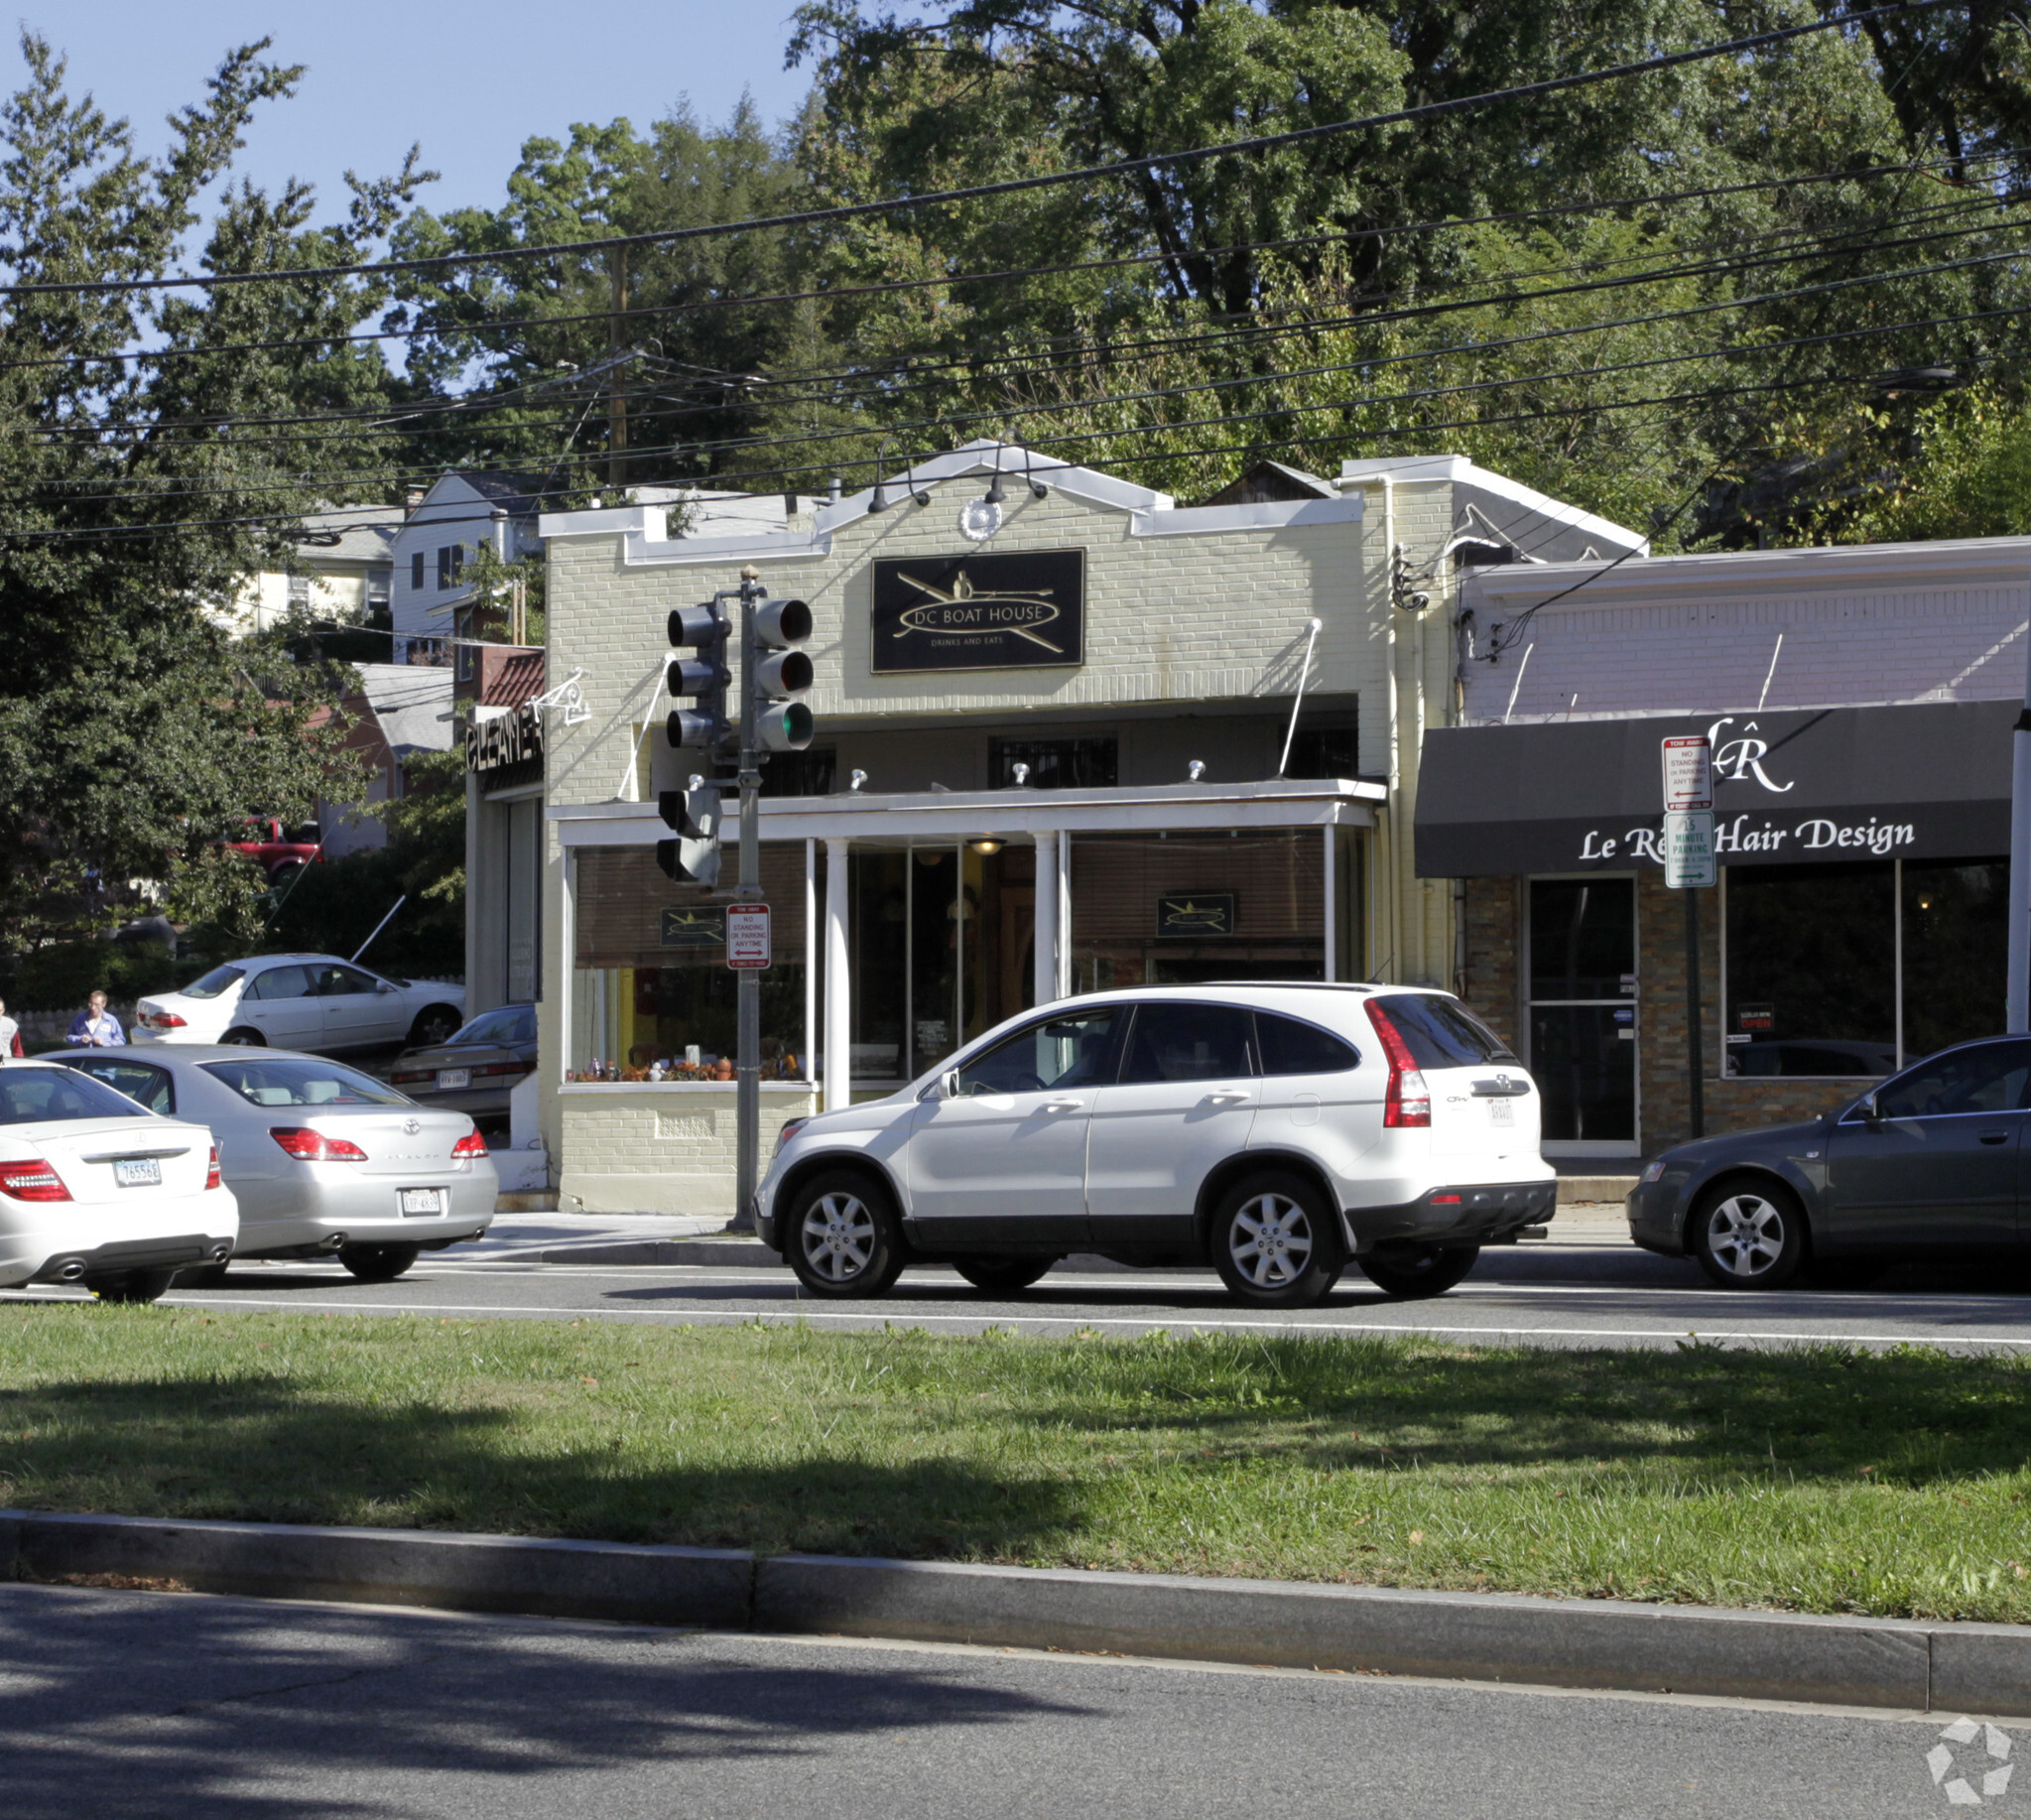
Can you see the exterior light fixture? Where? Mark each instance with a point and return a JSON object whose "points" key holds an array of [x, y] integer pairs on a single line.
{"points": [[986, 847], [857, 782], [881, 502], [1021, 773], [1196, 769]]}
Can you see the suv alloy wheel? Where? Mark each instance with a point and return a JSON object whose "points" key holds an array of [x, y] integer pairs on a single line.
{"points": [[1276, 1244], [841, 1237]]}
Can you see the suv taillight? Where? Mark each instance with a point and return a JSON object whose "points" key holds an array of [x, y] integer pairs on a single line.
{"points": [[32, 1180], [1408, 1101], [790, 1127]]}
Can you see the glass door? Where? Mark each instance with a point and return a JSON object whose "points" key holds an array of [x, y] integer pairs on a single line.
{"points": [[1582, 1012]]}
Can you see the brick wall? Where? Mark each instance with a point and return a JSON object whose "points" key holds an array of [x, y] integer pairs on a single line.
{"points": [[659, 1149], [1494, 930]]}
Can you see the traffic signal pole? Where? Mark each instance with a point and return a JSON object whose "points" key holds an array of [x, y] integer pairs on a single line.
{"points": [[747, 1100]]}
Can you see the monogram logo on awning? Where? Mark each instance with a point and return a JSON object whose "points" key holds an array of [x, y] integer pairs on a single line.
{"points": [[1741, 757]]}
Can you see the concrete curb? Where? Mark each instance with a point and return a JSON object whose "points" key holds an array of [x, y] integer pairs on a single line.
{"points": [[1487, 1636]]}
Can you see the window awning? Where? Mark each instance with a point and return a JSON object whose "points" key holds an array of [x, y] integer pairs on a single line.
{"points": [[1926, 781]]}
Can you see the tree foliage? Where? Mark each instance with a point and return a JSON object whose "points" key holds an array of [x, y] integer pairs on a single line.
{"points": [[136, 492]]}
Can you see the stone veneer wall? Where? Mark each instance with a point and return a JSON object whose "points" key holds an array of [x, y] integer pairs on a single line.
{"points": [[635, 1148], [1493, 988]]}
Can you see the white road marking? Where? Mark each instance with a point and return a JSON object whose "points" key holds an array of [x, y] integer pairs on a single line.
{"points": [[908, 1317]]}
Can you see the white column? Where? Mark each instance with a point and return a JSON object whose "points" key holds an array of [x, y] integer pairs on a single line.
{"points": [[1043, 974], [810, 961], [1331, 902], [838, 986], [1064, 914]]}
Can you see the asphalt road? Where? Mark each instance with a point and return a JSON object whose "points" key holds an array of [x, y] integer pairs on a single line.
{"points": [[1566, 1295], [172, 1704]]}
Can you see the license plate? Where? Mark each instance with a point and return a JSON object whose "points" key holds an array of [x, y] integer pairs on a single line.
{"points": [[1501, 1112], [453, 1077], [423, 1200], [137, 1172]]}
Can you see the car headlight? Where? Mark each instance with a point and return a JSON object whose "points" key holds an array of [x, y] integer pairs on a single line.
{"points": [[1653, 1172]]}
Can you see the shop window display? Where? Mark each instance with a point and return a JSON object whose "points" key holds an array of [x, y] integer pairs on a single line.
{"points": [[652, 995]]}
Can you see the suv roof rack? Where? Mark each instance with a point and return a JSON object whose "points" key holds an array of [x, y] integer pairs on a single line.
{"points": [[1309, 985]]}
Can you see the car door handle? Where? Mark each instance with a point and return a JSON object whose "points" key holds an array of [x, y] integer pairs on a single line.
{"points": [[1065, 1105], [1227, 1098], [1995, 1137]]}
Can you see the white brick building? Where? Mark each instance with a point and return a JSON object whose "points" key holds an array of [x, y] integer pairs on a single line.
{"points": [[1057, 748]]}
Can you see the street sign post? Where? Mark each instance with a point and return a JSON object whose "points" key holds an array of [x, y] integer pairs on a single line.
{"points": [[1688, 773], [747, 935], [1689, 866], [1688, 862]]}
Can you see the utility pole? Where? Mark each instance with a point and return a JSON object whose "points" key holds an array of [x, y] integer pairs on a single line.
{"points": [[747, 1096], [616, 398]]}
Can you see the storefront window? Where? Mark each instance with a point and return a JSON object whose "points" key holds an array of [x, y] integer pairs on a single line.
{"points": [[652, 995], [1811, 969], [1178, 909], [1956, 954]]}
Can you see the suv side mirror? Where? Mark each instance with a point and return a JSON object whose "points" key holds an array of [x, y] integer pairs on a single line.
{"points": [[949, 1084]]}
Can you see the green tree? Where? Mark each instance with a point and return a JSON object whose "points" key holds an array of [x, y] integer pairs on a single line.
{"points": [[138, 484]]}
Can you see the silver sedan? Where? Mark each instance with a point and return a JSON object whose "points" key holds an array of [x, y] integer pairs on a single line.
{"points": [[323, 1160]]}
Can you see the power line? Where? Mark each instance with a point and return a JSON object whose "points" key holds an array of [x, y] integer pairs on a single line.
{"points": [[432, 417], [1429, 110], [1537, 413], [447, 330]]}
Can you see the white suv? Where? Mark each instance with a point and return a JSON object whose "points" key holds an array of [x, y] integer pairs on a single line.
{"points": [[1276, 1131]]}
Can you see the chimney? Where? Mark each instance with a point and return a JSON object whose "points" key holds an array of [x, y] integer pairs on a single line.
{"points": [[411, 500]]}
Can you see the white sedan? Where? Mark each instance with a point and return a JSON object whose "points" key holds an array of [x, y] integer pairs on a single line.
{"points": [[95, 1190], [301, 1001]]}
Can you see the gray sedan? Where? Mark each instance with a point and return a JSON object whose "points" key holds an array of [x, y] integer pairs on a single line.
{"points": [[1924, 1166], [325, 1161]]}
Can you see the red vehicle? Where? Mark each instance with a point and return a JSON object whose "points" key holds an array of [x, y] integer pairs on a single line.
{"points": [[280, 852]]}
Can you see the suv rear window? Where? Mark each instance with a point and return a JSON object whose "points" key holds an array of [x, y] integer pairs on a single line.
{"points": [[1443, 1032], [1290, 1047]]}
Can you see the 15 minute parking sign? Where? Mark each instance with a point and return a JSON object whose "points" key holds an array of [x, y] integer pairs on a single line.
{"points": [[747, 935]]}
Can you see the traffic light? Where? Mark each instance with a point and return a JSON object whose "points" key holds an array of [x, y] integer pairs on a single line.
{"points": [[699, 673], [778, 673], [694, 857]]}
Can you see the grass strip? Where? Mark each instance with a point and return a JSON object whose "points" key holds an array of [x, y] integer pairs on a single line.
{"points": [[1820, 1479]]}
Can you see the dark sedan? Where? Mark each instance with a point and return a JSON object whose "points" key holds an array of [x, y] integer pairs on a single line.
{"points": [[476, 1070], [1926, 1164]]}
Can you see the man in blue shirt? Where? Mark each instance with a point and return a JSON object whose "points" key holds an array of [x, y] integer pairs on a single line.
{"points": [[96, 1028]]}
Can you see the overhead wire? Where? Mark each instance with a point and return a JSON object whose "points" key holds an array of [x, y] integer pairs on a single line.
{"points": [[1121, 167], [431, 416]]}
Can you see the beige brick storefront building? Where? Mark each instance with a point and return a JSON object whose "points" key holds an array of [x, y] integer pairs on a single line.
{"points": [[1072, 737]]}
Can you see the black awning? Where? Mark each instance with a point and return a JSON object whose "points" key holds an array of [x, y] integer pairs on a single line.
{"points": [[1929, 781]]}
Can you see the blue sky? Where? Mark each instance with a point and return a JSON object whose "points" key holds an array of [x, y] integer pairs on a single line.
{"points": [[470, 81]]}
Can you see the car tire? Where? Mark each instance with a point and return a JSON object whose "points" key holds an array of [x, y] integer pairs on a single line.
{"points": [[245, 1038], [434, 1025], [284, 874], [377, 1263], [1276, 1242], [1002, 1275], [130, 1285], [1418, 1270], [842, 1237], [1748, 1235]]}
